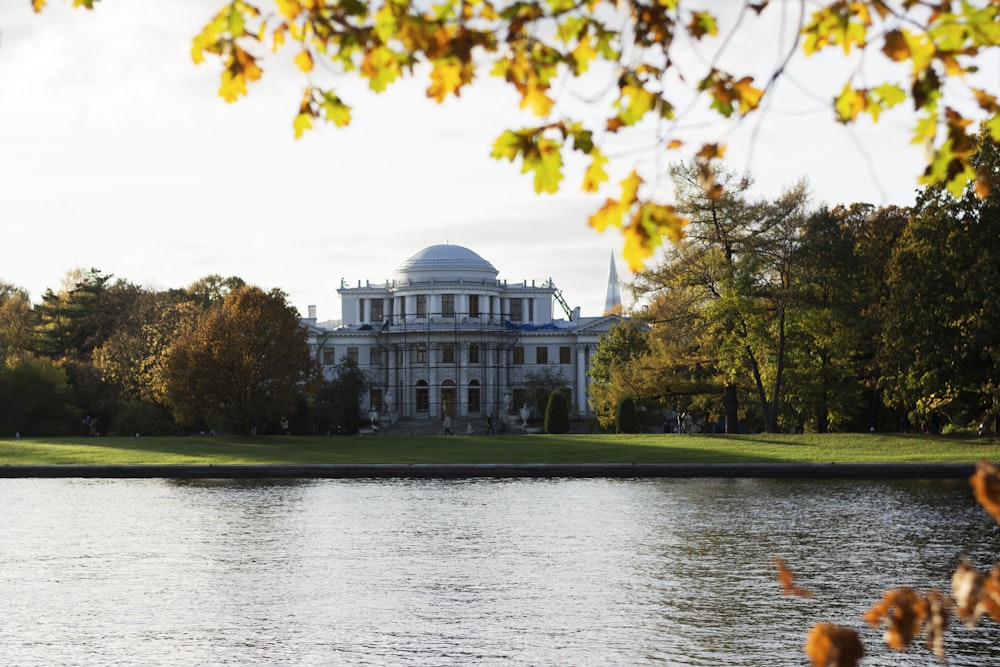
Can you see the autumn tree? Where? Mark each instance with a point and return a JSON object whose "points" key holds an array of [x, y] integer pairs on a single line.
{"points": [[243, 363], [15, 320], [134, 357], [624, 346], [640, 65]]}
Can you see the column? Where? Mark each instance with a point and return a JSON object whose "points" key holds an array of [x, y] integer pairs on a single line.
{"points": [[581, 378], [367, 315]]}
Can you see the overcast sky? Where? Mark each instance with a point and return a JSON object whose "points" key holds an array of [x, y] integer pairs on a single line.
{"points": [[116, 153]]}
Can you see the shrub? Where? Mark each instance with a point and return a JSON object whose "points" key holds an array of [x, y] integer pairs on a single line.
{"points": [[557, 413], [626, 418]]}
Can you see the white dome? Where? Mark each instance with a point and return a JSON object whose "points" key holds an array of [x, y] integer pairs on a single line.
{"points": [[445, 263]]}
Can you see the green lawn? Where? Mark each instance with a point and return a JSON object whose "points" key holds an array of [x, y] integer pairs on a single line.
{"points": [[809, 448]]}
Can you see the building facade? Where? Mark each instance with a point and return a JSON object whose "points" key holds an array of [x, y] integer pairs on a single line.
{"points": [[446, 336]]}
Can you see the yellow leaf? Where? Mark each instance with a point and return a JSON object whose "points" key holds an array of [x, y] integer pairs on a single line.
{"points": [[508, 145], [749, 96], [302, 122], [278, 38], [304, 60], [233, 85], [609, 215], [37, 5], [535, 98], [850, 103], [446, 77], [595, 174]]}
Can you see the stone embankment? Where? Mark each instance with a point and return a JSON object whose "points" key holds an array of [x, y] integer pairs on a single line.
{"points": [[502, 470]]}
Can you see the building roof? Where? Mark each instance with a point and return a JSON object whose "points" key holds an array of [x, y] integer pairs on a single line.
{"points": [[445, 262]]}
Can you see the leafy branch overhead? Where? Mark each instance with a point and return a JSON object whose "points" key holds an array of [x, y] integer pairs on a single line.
{"points": [[537, 46]]}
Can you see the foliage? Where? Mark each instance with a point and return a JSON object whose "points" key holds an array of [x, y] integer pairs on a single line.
{"points": [[15, 320], [135, 417], [244, 362], [618, 351], [626, 418], [557, 413], [79, 318], [34, 397], [337, 403], [941, 335], [134, 357], [639, 55], [540, 384]]}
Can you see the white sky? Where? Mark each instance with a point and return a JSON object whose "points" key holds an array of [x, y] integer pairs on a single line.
{"points": [[117, 153]]}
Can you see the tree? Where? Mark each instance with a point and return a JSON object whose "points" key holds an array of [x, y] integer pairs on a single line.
{"points": [[135, 356], [80, 317], [625, 343], [626, 419], [941, 334], [15, 320], [836, 327], [540, 384], [244, 362], [337, 402], [646, 59], [34, 397], [557, 413]]}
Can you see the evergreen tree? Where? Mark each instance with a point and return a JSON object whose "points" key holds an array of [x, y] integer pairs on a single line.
{"points": [[557, 413]]}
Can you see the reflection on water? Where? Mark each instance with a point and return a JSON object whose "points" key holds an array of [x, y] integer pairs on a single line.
{"points": [[483, 572]]}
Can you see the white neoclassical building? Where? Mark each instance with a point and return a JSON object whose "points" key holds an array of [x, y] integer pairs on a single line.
{"points": [[446, 336]]}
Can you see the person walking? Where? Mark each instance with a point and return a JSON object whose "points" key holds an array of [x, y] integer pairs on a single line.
{"points": [[447, 424], [489, 424]]}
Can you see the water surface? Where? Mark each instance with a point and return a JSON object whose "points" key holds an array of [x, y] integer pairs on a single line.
{"points": [[475, 572]]}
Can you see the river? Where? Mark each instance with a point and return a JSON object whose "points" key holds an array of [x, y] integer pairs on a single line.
{"points": [[469, 572]]}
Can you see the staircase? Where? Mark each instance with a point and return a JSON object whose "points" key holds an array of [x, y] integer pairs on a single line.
{"points": [[435, 427]]}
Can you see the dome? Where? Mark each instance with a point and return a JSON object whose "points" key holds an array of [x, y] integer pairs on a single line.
{"points": [[445, 263]]}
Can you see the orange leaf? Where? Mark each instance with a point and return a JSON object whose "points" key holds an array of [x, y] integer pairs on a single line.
{"points": [[786, 579], [831, 645]]}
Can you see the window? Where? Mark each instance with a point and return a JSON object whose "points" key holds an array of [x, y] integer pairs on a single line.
{"points": [[447, 305], [402, 308], [515, 310], [474, 401], [518, 355], [473, 305], [352, 354], [421, 354], [474, 354], [541, 355], [447, 353], [376, 357], [421, 305], [531, 310], [375, 399], [422, 396], [329, 356], [376, 307], [564, 355]]}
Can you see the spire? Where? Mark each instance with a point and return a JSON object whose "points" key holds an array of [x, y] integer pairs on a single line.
{"points": [[613, 302]]}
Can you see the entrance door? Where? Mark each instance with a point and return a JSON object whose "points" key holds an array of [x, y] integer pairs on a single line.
{"points": [[449, 399]]}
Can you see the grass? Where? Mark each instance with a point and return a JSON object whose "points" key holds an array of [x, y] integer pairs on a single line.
{"points": [[808, 448]]}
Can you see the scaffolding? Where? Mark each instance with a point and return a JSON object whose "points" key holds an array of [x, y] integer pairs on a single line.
{"points": [[444, 363]]}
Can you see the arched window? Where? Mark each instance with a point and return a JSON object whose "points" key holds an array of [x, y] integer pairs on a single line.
{"points": [[422, 396], [474, 396]]}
